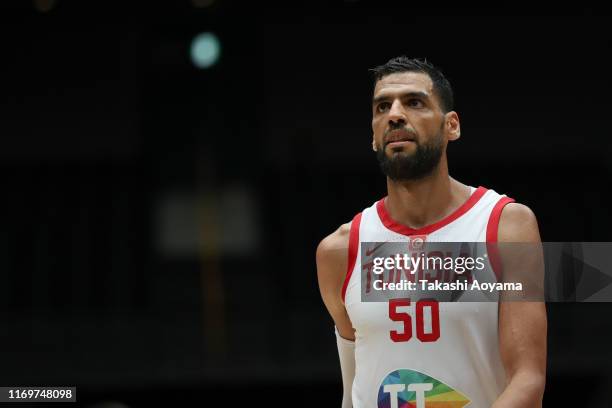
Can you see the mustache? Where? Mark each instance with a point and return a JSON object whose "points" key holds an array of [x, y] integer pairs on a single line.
{"points": [[411, 133]]}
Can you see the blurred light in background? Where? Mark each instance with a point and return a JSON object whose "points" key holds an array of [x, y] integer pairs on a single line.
{"points": [[221, 222], [205, 50], [44, 6]]}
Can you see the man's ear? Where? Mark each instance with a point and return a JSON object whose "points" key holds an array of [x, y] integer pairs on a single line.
{"points": [[452, 125]]}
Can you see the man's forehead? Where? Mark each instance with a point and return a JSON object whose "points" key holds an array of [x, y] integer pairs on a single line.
{"points": [[404, 82]]}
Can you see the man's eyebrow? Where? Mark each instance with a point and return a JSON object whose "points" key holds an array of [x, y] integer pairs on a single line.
{"points": [[383, 97]]}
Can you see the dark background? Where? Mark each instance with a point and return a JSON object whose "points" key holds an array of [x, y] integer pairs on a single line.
{"points": [[159, 221]]}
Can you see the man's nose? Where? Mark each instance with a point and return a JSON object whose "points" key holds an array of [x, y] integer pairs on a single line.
{"points": [[396, 113]]}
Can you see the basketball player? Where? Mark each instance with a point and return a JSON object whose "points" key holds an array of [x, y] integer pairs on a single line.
{"points": [[479, 354]]}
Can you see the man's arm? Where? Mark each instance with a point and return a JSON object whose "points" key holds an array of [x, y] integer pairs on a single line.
{"points": [[522, 324], [332, 263]]}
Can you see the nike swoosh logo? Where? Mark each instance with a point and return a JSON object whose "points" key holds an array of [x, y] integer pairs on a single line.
{"points": [[370, 252]]}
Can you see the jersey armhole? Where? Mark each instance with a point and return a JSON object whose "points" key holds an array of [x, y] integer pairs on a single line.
{"points": [[492, 235], [353, 248]]}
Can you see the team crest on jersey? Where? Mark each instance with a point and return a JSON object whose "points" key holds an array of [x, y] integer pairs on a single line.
{"points": [[412, 389], [416, 242]]}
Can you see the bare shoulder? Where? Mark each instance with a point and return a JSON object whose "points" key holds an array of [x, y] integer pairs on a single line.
{"points": [[518, 223], [337, 240], [332, 264], [332, 254]]}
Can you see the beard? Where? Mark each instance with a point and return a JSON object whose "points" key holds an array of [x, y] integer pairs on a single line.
{"points": [[402, 166]]}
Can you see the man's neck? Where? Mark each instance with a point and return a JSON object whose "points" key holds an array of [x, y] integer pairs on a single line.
{"points": [[425, 201]]}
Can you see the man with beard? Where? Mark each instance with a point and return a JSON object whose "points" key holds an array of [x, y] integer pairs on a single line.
{"points": [[414, 354]]}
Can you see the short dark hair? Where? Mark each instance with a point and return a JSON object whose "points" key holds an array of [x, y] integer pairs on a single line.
{"points": [[402, 63]]}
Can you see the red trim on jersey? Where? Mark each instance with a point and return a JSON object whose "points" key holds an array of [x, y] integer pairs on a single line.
{"points": [[492, 232], [353, 248], [428, 229]]}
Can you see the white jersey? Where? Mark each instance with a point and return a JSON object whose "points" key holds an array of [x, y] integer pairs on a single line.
{"points": [[410, 354]]}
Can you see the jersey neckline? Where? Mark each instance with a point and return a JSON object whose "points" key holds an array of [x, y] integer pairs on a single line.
{"points": [[393, 225]]}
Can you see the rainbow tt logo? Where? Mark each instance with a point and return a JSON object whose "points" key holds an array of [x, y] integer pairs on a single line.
{"points": [[412, 389]]}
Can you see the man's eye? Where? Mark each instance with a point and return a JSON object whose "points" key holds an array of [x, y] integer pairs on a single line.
{"points": [[383, 107], [415, 103]]}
